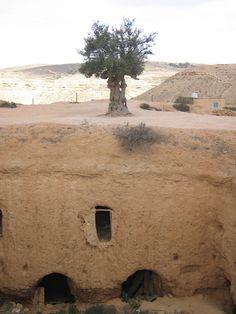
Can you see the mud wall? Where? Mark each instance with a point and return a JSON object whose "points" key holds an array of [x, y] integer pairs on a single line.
{"points": [[172, 209], [207, 104]]}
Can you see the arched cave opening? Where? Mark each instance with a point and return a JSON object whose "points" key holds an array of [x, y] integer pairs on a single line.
{"points": [[143, 284], [103, 223], [56, 289]]}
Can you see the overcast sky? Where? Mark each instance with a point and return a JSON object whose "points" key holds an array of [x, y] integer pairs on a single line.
{"points": [[49, 31]]}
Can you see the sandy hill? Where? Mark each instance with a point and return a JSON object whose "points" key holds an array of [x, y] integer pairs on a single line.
{"points": [[55, 69], [43, 70], [210, 81], [43, 84], [73, 68]]}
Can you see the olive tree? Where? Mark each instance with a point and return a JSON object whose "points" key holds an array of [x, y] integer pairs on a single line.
{"points": [[113, 53]]}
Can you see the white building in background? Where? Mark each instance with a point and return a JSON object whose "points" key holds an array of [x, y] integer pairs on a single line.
{"points": [[194, 95]]}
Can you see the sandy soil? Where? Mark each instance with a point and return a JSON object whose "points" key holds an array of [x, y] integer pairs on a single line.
{"points": [[93, 112]]}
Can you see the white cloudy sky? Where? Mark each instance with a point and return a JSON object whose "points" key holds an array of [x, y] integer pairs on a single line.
{"points": [[49, 31]]}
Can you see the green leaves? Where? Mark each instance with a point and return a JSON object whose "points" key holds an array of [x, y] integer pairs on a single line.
{"points": [[116, 52]]}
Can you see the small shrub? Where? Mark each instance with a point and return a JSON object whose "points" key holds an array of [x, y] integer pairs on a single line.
{"points": [[134, 304], [184, 100], [230, 108], [101, 309], [134, 307], [7, 104], [132, 136], [181, 107], [146, 106], [73, 309]]}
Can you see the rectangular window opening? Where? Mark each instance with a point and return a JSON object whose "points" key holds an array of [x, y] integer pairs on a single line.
{"points": [[103, 225]]}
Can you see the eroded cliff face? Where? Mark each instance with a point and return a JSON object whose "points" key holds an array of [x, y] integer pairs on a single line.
{"points": [[172, 209]]}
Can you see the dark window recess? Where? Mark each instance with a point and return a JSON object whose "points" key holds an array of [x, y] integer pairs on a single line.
{"points": [[56, 289], [0, 223], [143, 284], [102, 207], [103, 223]]}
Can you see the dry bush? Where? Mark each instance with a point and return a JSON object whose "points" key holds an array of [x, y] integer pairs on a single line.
{"points": [[181, 107], [184, 100], [7, 104], [146, 106], [135, 136], [230, 108]]}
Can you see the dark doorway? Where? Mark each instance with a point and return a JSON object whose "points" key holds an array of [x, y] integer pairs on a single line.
{"points": [[143, 284], [103, 223], [56, 289], [0, 223]]}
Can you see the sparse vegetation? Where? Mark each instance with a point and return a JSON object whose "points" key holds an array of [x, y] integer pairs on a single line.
{"points": [[184, 100], [134, 304], [134, 307], [224, 112], [146, 106], [101, 309], [7, 104], [181, 107], [181, 65], [73, 309], [230, 108], [133, 136], [182, 103]]}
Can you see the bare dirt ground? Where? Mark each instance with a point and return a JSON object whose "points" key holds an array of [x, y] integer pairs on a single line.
{"points": [[93, 113]]}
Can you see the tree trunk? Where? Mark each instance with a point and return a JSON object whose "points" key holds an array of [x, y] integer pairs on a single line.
{"points": [[118, 103]]}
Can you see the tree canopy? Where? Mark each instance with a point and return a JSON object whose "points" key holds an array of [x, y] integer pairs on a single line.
{"points": [[113, 53]]}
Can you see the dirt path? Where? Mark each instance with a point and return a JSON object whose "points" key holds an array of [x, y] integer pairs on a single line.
{"points": [[93, 112]]}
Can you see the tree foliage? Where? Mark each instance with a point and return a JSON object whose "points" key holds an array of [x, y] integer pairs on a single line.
{"points": [[116, 52], [113, 53]]}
